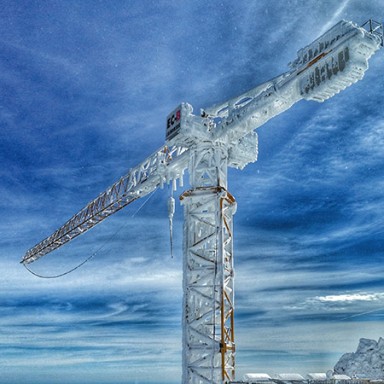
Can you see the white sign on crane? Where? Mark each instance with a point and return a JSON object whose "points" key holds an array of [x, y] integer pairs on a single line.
{"points": [[222, 136]]}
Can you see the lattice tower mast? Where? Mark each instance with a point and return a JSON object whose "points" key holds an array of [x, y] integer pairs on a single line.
{"points": [[222, 136]]}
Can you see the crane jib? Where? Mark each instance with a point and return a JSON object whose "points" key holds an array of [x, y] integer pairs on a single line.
{"points": [[139, 182], [332, 62]]}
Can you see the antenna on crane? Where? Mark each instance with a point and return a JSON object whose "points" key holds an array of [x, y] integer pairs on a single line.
{"points": [[222, 136]]}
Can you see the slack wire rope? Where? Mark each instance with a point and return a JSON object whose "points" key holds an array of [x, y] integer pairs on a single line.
{"points": [[94, 253]]}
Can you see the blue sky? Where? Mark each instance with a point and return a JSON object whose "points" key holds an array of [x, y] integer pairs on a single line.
{"points": [[85, 90]]}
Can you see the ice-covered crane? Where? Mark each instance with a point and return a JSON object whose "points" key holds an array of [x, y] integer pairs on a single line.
{"points": [[222, 136]]}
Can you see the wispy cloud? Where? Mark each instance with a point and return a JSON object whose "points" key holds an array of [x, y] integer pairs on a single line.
{"points": [[351, 297], [338, 13]]}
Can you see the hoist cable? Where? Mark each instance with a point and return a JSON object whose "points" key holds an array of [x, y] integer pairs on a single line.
{"points": [[61, 274], [97, 251]]}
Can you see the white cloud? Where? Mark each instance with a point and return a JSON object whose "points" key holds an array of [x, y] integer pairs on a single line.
{"points": [[351, 297]]}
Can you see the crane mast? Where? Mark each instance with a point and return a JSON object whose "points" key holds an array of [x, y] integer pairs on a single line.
{"points": [[206, 145], [208, 304]]}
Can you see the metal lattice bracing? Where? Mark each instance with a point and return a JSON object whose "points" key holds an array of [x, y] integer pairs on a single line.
{"points": [[157, 169], [208, 318]]}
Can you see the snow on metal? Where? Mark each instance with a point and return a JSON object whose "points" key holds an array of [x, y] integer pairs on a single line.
{"points": [[317, 376], [256, 377], [340, 377], [222, 136], [335, 60], [141, 180], [290, 377], [208, 318]]}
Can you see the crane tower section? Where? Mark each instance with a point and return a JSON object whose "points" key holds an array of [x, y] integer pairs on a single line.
{"points": [[208, 310], [223, 136]]}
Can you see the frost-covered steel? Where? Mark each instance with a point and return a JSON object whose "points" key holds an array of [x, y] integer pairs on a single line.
{"points": [[223, 136], [335, 60], [141, 180], [208, 301], [323, 68]]}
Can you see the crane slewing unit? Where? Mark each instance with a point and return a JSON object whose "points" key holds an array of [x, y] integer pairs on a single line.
{"points": [[206, 145]]}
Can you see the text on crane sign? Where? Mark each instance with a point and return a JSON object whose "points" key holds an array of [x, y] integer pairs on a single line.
{"points": [[173, 124]]}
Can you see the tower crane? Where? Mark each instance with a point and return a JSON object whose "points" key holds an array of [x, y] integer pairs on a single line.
{"points": [[205, 145]]}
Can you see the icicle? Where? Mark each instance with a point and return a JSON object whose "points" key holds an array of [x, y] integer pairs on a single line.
{"points": [[171, 211]]}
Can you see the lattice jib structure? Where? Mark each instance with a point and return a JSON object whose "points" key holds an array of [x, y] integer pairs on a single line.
{"points": [[141, 180]]}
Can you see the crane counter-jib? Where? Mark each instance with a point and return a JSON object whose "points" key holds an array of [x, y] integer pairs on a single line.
{"points": [[334, 61], [327, 66]]}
